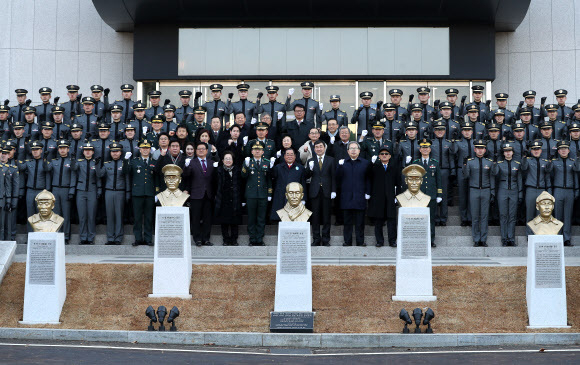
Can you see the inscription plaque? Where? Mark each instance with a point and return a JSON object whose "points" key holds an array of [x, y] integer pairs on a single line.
{"points": [[415, 236], [292, 322], [548, 265], [293, 254], [42, 262], [170, 234]]}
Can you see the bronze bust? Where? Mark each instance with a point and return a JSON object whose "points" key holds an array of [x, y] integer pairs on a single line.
{"points": [[45, 220], [545, 224], [172, 196], [413, 196], [294, 210]]}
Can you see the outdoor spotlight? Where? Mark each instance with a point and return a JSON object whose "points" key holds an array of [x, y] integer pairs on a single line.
{"points": [[162, 312], [404, 315], [173, 313], [417, 314], [150, 312], [429, 315]]}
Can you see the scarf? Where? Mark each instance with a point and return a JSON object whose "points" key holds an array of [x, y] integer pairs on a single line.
{"points": [[294, 213]]}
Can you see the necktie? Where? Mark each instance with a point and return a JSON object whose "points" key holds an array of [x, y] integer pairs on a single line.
{"points": [[203, 166], [425, 162], [320, 162], [385, 166]]}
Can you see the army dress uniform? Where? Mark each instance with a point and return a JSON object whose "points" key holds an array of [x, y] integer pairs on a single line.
{"points": [[62, 182], [16, 113], [537, 114], [153, 110], [5, 197], [442, 152], [37, 179], [89, 121], [269, 148], [44, 110], [510, 116], [452, 126], [536, 180], [394, 129], [371, 146], [142, 126], [429, 113], [11, 175], [409, 148], [338, 114], [71, 107], [88, 186], [243, 105], [401, 113], [559, 127], [184, 111], [61, 129], [364, 116], [127, 104], [564, 111], [102, 145], [431, 185], [312, 111], [216, 107]]}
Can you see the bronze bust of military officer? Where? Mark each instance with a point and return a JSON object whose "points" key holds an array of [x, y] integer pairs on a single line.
{"points": [[294, 210], [45, 220], [545, 224], [413, 197], [172, 196]]}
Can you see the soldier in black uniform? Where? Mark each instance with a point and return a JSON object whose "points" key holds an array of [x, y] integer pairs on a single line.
{"points": [[501, 101], [312, 109], [275, 109], [73, 106], [127, 103], [4, 122], [564, 112], [364, 116], [244, 105], [31, 130], [483, 108], [101, 107], [216, 107], [531, 132], [62, 185], [185, 110], [61, 129], [549, 145], [170, 124], [394, 129], [442, 151], [428, 112], [463, 150], [11, 178], [49, 148], [155, 108], [88, 119], [530, 100], [117, 127], [17, 112], [401, 113], [559, 127], [43, 110], [536, 179], [141, 124], [36, 177], [452, 126], [88, 190], [335, 112]]}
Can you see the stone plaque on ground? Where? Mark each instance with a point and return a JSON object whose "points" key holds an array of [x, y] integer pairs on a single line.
{"points": [[546, 282], [292, 322], [45, 285], [414, 278], [172, 255]]}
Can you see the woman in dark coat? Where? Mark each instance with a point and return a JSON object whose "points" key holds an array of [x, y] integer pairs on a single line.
{"points": [[385, 186], [290, 170], [228, 199]]}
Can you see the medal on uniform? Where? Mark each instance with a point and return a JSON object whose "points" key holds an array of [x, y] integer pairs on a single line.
{"points": [[138, 171], [252, 172]]}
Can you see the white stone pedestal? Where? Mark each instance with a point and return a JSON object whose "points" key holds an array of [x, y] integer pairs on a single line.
{"points": [[172, 259], [7, 250], [45, 286], [546, 282], [414, 271]]}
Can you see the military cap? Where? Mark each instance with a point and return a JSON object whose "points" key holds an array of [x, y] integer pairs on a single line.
{"points": [[535, 145], [157, 119], [154, 93], [130, 127], [76, 127], [5, 148], [171, 170], [185, 93], [507, 147], [29, 109], [396, 92], [378, 125], [271, 89], [529, 94], [216, 87], [199, 110], [139, 106], [445, 105], [423, 90], [576, 107], [386, 147], [425, 142], [477, 88], [411, 125], [519, 127], [561, 92], [117, 108], [72, 88], [416, 106], [307, 84], [243, 87], [88, 146], [472, 108], [545, 196], [57, 109], [21, 92], [467, 125], [63, 143], [439, 125], [574, 127], [4, 108], [44, 90], [9, 145], [389, 106], [525, 110], [44, 195], [335, 97], [499, 112], [545, 125], [127, 87], [17, 125], [493, 127], [551, 107], [501, 96], [144, 144], [103, 126], [88, 100], [168, 107], [36, 145], [47, 125], [262, 125], [366, 95], [480, 143], [451, 92], [414, 170], [258, 145], [115, 147], [97, 88], [563, 144]]}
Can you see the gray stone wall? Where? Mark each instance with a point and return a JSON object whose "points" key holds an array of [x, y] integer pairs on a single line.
{"points": [[55, 43]]}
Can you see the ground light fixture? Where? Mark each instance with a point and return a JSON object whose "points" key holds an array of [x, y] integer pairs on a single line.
{"points": [[429, 315], [161, 313], [150, 313], [417, 314], [173, 314], [404, 315]]}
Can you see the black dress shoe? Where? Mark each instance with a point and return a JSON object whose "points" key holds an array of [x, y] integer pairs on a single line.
{"points": [[326, 244], [568, 243], [315, 244], [117, 243], [443, 224], [464, 224], [207, 243], [261, 244], [66, 242], [379, 244], [235, 243], [136, 243], [433, 244], [149, 243], [347, 244], [393, 244], [251, 244], [484, 244], [504, 243], [475, 244], [82, 242], [109, 243], [90, 242], [198, 244]]}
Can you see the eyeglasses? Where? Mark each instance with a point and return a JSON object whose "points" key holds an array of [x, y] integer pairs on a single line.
{"points": [[384, 153]]}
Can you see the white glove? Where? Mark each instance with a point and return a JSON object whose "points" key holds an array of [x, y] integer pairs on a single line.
{"points": [[332, 195], [332, 140], [291, 91], [245, 139], [396, 201], [303, 202], [156, 199], [254, 120], [272, 163], [367, 196], [269, 198], [408, 160], [215, 164], [374, 158], [279, 153], [280, 115], [247, 161], [341, 161], [180, 151], [153, 149], [187, 161], [321, 105], [311, 165], [439, 200], [243, 204], [144, 130], [128, 155], [364, 133]]}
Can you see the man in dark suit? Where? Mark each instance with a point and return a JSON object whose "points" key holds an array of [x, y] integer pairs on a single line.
{"points": [[385, 185], [283, 174], [173, 156], [298, 129], [355, 190], [201, 193], [321, 170]]}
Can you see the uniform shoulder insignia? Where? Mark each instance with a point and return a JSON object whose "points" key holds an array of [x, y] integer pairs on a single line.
{"points": [[518, 162], [327, 111], [315, 100], [489, 159], [502, 161], [435, 160], [544, 159], [438, 119], [79, 159], [106, 162], [21, 161], [469, 159], [79, 115], [266, 160]]}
